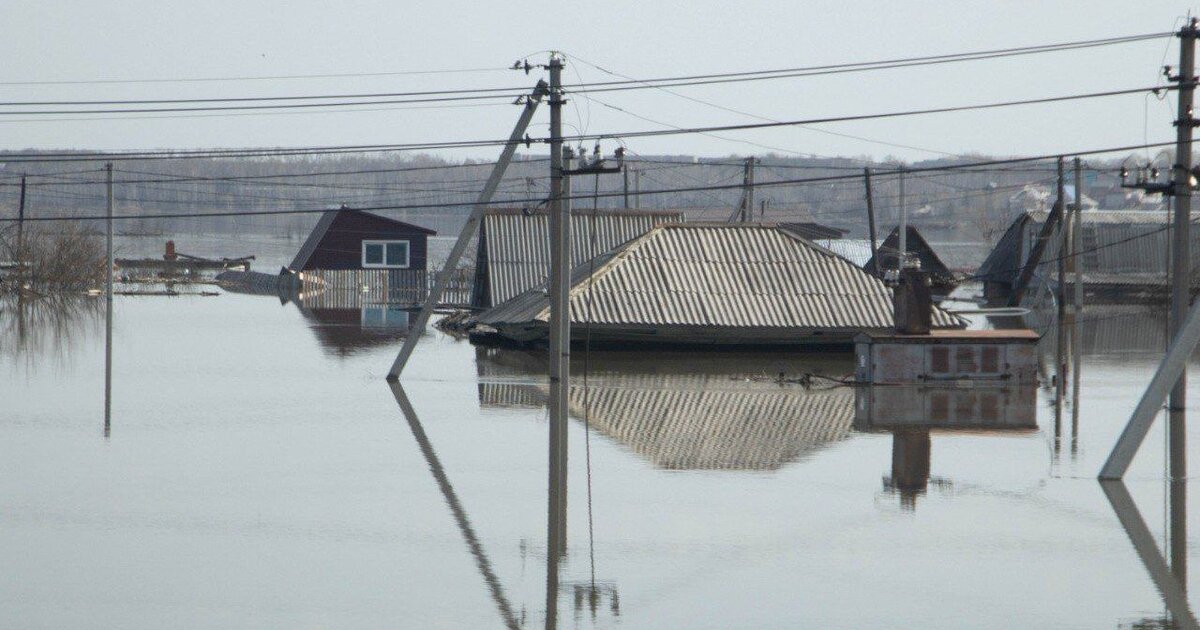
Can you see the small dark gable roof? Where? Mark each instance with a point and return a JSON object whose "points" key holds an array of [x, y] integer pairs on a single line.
{"points": [[916, 244], [327, 218]]}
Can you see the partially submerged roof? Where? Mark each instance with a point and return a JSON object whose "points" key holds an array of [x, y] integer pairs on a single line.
{"points": [[513, 254], [326, 221], [720, 276], [917, 248]]}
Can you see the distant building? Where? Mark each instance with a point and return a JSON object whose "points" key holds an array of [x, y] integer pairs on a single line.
{"points": [[707, 284], [513, 250], [346, 238], [353, 252]]}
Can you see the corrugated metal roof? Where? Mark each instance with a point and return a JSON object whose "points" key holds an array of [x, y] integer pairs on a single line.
{"points": [[514, 247], [722, 276], [1110, 216], [856, 250]]}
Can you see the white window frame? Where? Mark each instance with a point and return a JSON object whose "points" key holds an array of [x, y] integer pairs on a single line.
{"points": [[385, 243]]}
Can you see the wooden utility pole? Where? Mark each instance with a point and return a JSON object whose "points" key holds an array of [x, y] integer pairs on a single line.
{"points": [[21, 226], [871, 219], [748, 190], [902, 255], [1063, 243], [637, 189], [1075, 266], [625, 184]]}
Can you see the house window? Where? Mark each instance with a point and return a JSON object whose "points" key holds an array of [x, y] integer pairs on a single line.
{"points": [[385, 254]]}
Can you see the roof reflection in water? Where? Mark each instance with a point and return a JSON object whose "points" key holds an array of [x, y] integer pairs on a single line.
{"points": [[689, 411]]}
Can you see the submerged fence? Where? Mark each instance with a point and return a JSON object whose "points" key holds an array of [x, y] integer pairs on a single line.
{"points": [[348, 287]]}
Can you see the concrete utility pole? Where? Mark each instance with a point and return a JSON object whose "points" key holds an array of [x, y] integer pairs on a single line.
{"points": [[560, 313], [1181, 269], [1185, 319], [871, 218], [108, 299]]}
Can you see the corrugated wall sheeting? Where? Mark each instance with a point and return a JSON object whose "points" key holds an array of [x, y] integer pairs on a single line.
{"points": [[732, 276], [518, 245], [1113, 242]]}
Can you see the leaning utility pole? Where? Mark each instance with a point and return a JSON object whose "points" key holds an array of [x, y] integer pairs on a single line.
{"points": [[871, 218], [468, 231], [1185, 320]]}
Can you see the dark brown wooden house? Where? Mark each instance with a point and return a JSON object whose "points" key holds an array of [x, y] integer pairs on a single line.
{"points": [[349, 239]]}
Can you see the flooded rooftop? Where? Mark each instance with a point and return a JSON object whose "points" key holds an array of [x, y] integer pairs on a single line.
{"points": [[256, 471]]}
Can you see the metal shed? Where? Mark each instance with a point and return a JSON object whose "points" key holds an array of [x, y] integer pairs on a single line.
{"points": [[707, 284], [513, 250]]}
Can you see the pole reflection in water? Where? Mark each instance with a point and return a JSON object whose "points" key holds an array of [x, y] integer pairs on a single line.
{"points": [[456, 508], [1076, 370], [1169, 580], [1177, 496]]}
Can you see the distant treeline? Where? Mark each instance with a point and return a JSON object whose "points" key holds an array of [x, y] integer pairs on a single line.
{"points": [[966, 202]]}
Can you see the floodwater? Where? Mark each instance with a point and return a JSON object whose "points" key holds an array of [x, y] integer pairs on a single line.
{"points": [[258, 472]]}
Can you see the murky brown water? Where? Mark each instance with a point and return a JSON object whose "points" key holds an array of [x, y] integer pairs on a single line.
{"points": [[259, 472]]}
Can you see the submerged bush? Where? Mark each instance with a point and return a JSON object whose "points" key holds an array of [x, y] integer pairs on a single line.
{"points": [[66, 258]]}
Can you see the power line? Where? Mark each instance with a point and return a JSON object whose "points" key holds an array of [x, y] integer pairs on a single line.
{"points": [[605, 86], [227, 153], [831, 178], [912, 112], [277, 77]]}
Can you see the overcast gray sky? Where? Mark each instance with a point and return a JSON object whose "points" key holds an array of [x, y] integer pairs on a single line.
{"points": [[46, 40]]}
